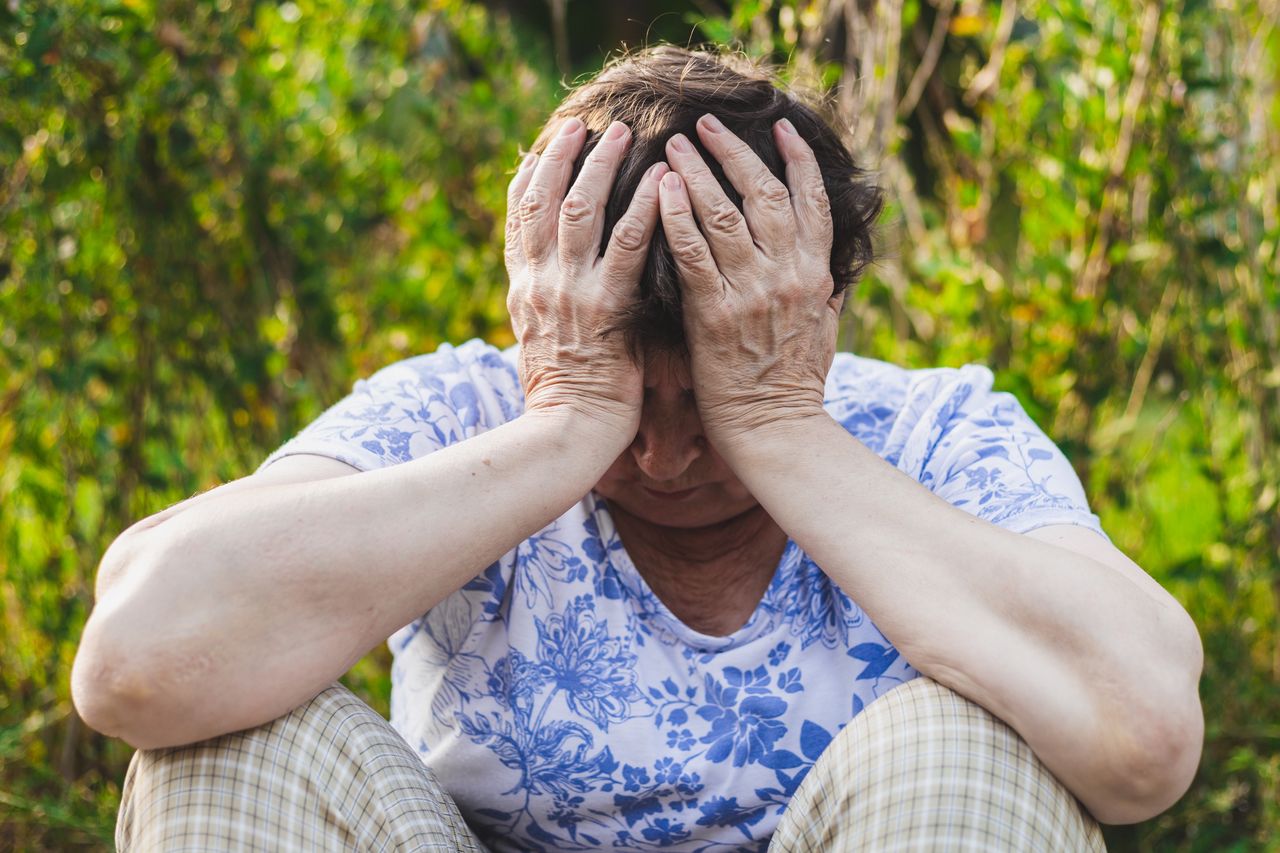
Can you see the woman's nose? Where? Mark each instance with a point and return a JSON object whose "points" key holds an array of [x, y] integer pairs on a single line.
{"points": [[668, 442]]}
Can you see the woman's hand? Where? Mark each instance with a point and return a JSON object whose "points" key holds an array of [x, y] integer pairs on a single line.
{"points": [[759, 316], [563, 292]]}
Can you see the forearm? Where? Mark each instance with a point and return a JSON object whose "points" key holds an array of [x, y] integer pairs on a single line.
{"points": [[1083, 663], [237, 610], [1066, 650]]}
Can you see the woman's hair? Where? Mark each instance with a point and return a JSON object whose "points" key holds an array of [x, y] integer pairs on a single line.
{"points": [[661, 91]]}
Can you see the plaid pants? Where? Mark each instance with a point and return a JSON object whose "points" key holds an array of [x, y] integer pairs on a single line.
{"points": [[921, 768]]}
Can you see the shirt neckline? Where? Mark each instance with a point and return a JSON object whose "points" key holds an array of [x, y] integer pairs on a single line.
{"points": [[649, 606]]}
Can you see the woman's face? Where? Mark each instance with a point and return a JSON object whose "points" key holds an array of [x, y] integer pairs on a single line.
{"points": [[671, 475]]}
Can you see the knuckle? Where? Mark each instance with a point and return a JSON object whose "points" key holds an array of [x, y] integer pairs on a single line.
{"points": [[576, 209], [774, 193], [738, 151], [723, 216], [534, 205], [690, 248], [628, 236]]}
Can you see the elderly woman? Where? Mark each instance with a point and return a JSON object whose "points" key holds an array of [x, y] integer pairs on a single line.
{"points": [[669, 573]]}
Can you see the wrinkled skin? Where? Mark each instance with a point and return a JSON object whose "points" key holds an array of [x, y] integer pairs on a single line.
{"points": [[759, 317]]}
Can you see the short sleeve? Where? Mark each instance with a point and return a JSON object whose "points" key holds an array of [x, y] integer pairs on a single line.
{"points": [[980, 451], [414, 407]]}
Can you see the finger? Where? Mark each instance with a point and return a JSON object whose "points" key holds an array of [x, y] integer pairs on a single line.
{"points": [[513, 249], [629, 243], [765, 199], [691, 251], [723, 225], [540, 204], [809, 198], [582, 214]]}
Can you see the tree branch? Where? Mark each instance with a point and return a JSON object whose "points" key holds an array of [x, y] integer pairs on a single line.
{"points": [[928, 61], [1096, 266], [986, 78]]}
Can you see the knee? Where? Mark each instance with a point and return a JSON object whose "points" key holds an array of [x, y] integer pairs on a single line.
{"points": [[238, 770], [923, 708], [939, 733], [331, 774], [331, 716], [922, 762]]}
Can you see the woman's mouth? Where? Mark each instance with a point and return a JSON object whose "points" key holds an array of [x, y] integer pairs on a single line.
{"points": [[670, 495]]}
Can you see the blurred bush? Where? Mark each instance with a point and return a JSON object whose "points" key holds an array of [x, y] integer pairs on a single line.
{"points": [[215, 216]]}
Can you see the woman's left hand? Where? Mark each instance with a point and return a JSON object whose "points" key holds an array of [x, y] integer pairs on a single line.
{"points": [[759, 317]]}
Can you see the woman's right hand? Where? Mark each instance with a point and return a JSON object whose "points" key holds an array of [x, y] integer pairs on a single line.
{"points": [[563, 292]]}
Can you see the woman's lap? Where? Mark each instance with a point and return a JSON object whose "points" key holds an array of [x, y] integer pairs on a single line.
{"points": [[919, 768]]}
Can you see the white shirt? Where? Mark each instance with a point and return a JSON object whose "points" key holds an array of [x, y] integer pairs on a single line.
{"points": [[566, 708]]}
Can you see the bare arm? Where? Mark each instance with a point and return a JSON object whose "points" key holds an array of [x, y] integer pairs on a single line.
{"points": [[237, 606], [1092, 663], [232, 611], [1089, 660]]}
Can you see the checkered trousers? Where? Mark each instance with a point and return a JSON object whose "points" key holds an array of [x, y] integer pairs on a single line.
{"points": [[921, 768], [330, 775]]}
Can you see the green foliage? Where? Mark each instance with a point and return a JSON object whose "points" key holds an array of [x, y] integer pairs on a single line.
{"points": [[213, 217]]}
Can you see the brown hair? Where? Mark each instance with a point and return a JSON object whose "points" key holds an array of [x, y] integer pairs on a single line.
{"points": [[661, 91]]}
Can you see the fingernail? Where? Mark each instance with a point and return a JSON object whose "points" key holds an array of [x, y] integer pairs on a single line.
{"points": [[571, 125], [679, 143], [712, 123], [616, 131], [529, 160], [657, 170], [787, 126], [671, 181]]}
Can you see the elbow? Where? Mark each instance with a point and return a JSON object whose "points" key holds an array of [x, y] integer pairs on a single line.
{"points": [[165, 662], [117, 694], [107, 685], [117, 684], [1159, 765], [107, 692]]}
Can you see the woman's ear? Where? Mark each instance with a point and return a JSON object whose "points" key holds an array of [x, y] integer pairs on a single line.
{"points": [[838, 300]]}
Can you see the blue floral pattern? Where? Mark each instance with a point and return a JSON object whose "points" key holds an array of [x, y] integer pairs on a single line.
{"points": [[561, 702]]}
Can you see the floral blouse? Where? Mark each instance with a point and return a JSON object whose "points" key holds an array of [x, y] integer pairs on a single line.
{"points": [[566, 708]]}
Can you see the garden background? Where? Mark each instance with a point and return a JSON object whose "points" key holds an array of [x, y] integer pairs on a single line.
{"points": [[215, 216]]}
